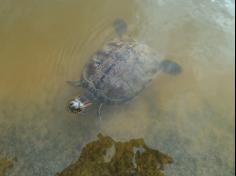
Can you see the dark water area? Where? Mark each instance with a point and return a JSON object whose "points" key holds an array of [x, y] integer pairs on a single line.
{"points": [[190, 117]]}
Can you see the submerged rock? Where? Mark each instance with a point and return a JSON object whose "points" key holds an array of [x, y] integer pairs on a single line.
{"points": [[4, 165], [106, 157]]}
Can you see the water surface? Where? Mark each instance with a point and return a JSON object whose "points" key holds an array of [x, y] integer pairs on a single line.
{"points": [[189, 116]]}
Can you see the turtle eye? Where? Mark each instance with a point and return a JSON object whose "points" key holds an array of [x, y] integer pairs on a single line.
{"points": [[74, 110]]}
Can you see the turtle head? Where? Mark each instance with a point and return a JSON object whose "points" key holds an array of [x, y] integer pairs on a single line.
{"points": [[78, 104]]}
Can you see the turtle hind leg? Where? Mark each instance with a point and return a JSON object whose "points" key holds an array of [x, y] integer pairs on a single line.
{"points": [[74, 83], [120, 26], [171, 67]]}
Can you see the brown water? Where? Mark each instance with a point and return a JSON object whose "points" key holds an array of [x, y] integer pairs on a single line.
{"points": [[190, 116]]}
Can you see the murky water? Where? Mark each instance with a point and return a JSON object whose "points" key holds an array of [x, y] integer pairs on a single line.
{"points": [[191, 116]]}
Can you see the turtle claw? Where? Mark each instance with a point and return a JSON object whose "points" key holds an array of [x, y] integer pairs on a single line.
{"points": [[74, 83]]}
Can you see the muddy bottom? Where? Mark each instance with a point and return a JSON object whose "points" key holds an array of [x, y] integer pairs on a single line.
{"points": [[190, 116]]}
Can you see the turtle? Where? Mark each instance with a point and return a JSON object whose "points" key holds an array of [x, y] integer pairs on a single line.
{"points": [[118, 72]]}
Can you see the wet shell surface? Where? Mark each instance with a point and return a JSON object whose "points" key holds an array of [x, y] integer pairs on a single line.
{"points": [[120, 70]]}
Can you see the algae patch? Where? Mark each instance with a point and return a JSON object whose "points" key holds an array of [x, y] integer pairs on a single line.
{"points": [[106, 157], [5, 164]]}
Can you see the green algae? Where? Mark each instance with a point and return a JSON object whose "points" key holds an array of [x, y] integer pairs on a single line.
{"points": [[5, 164], [106, 157]]}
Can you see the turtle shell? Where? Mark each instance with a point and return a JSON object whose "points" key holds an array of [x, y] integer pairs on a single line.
{"points": [[119, 71]]}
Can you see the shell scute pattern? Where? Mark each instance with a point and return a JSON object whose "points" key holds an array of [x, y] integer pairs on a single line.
{"points": [[120, 71]]}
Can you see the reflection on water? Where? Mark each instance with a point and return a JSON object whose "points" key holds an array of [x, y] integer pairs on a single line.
{"points": [[190, 116]]}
